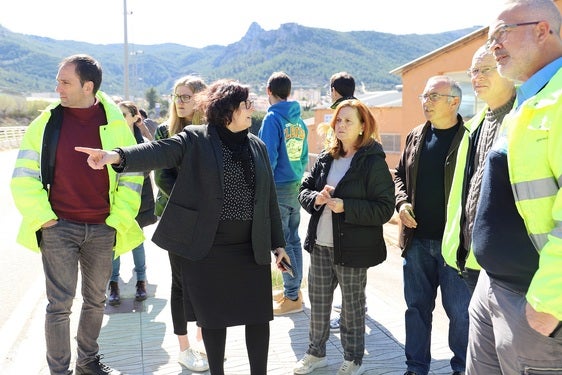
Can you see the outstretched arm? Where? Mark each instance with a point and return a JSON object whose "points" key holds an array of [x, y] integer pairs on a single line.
{"points": [[97, 158]]}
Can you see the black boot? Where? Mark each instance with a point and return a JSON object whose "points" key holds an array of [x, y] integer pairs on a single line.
{"points": [[140, 295], [96, 367], [114, 298]]}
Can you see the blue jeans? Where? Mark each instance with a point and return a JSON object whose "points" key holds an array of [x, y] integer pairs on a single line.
{"points": [[140, 264], [289, 206], [425, 270], [64, 247]]}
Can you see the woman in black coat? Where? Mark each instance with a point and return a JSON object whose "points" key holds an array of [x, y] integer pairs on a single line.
{"points": [[182, 112], [350, 195], [222, 219]]}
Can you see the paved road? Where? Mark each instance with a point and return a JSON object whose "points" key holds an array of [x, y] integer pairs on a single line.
{"points": [[22, 273], [138, 339]]}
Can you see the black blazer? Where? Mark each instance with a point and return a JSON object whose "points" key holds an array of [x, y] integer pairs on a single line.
{"points": [[190, 220]]}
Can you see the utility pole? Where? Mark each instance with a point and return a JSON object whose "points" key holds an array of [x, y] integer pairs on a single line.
{"points": [[126, 54]]}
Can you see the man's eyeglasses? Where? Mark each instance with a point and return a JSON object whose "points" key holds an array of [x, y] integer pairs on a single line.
{"points": [[485, 71], [248, 103], [183, 98], [433, 97], [500, 34]]}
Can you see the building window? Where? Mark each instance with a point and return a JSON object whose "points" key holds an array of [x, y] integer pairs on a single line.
{"points": [[391, 143]]}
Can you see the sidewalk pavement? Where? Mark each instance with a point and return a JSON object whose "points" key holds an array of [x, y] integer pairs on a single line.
{"points": [[137, 338]]}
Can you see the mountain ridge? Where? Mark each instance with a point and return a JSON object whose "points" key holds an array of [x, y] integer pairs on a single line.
{"points": [[309, 55]]}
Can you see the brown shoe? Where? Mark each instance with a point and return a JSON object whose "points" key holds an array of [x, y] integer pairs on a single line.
{"points": [[278, 296], [287, 306]]}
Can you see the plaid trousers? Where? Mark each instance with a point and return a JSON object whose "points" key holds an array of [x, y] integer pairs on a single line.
{"points": [[323, 278]]}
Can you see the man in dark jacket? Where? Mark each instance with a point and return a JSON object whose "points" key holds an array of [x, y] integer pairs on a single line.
{"points": [[423, 179]]}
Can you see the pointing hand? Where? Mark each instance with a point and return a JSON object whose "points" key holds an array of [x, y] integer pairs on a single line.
{"points": [[97, 158]]}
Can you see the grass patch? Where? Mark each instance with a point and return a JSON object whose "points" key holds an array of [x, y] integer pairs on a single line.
{"points": [[276, 278]]}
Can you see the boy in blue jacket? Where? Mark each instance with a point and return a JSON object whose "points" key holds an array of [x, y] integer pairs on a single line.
{"points": [[285, 135]]}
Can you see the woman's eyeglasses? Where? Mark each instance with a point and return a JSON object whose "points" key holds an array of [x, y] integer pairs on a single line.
{"points": [[183, 98]]}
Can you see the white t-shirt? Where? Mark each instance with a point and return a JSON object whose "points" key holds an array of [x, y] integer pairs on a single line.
{"points": [[324, 232]]}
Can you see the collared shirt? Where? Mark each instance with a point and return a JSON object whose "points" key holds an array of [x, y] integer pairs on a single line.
{"points": [[537, 81]]}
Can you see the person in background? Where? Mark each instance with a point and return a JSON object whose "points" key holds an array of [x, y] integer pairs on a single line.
{"points": [[150, 124], [342, 87], [350, 195], [516, 309], [286, 136], [182, 113], [222, 220], [74, 217], [499, 95], [144, 217], [423, 180]]}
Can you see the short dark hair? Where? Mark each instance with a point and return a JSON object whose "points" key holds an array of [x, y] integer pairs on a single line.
{"points": [[280, 85], [143, 113], [87, 68], [223, 98], [343, 83]]}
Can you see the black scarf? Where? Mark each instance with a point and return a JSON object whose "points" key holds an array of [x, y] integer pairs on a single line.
{"points": [[239, 145]]}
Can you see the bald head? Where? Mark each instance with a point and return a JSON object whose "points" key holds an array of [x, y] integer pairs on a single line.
{"points": [[441, 98], [487, 83], [539, 10], [481, 53], [455, 89], [524, 37]]}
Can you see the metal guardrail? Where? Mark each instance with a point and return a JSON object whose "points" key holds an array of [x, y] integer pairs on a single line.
{"points": [[11, 136]]}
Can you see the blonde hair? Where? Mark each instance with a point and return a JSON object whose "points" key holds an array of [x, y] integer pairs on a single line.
{"points": [[175, 123]]}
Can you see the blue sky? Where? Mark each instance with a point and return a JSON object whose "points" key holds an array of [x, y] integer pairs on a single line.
{"points": [[204, 22]]}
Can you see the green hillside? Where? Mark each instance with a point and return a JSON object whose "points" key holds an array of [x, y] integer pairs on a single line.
{"points": [[309, 55]]}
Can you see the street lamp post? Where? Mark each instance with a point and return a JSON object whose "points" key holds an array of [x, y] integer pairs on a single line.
{"points": [[126, 53], [135, 79]]}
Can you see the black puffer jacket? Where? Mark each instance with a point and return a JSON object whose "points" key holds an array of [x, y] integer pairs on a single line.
{"points": [[368, 194]]}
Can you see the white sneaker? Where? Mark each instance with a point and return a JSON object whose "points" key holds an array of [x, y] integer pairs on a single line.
{"points": [[335, 323], [308, 363], [193, 360], [350, 368], [337, 308]]}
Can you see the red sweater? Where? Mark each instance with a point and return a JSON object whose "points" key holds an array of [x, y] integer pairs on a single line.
{"points": [[79, 193]]}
